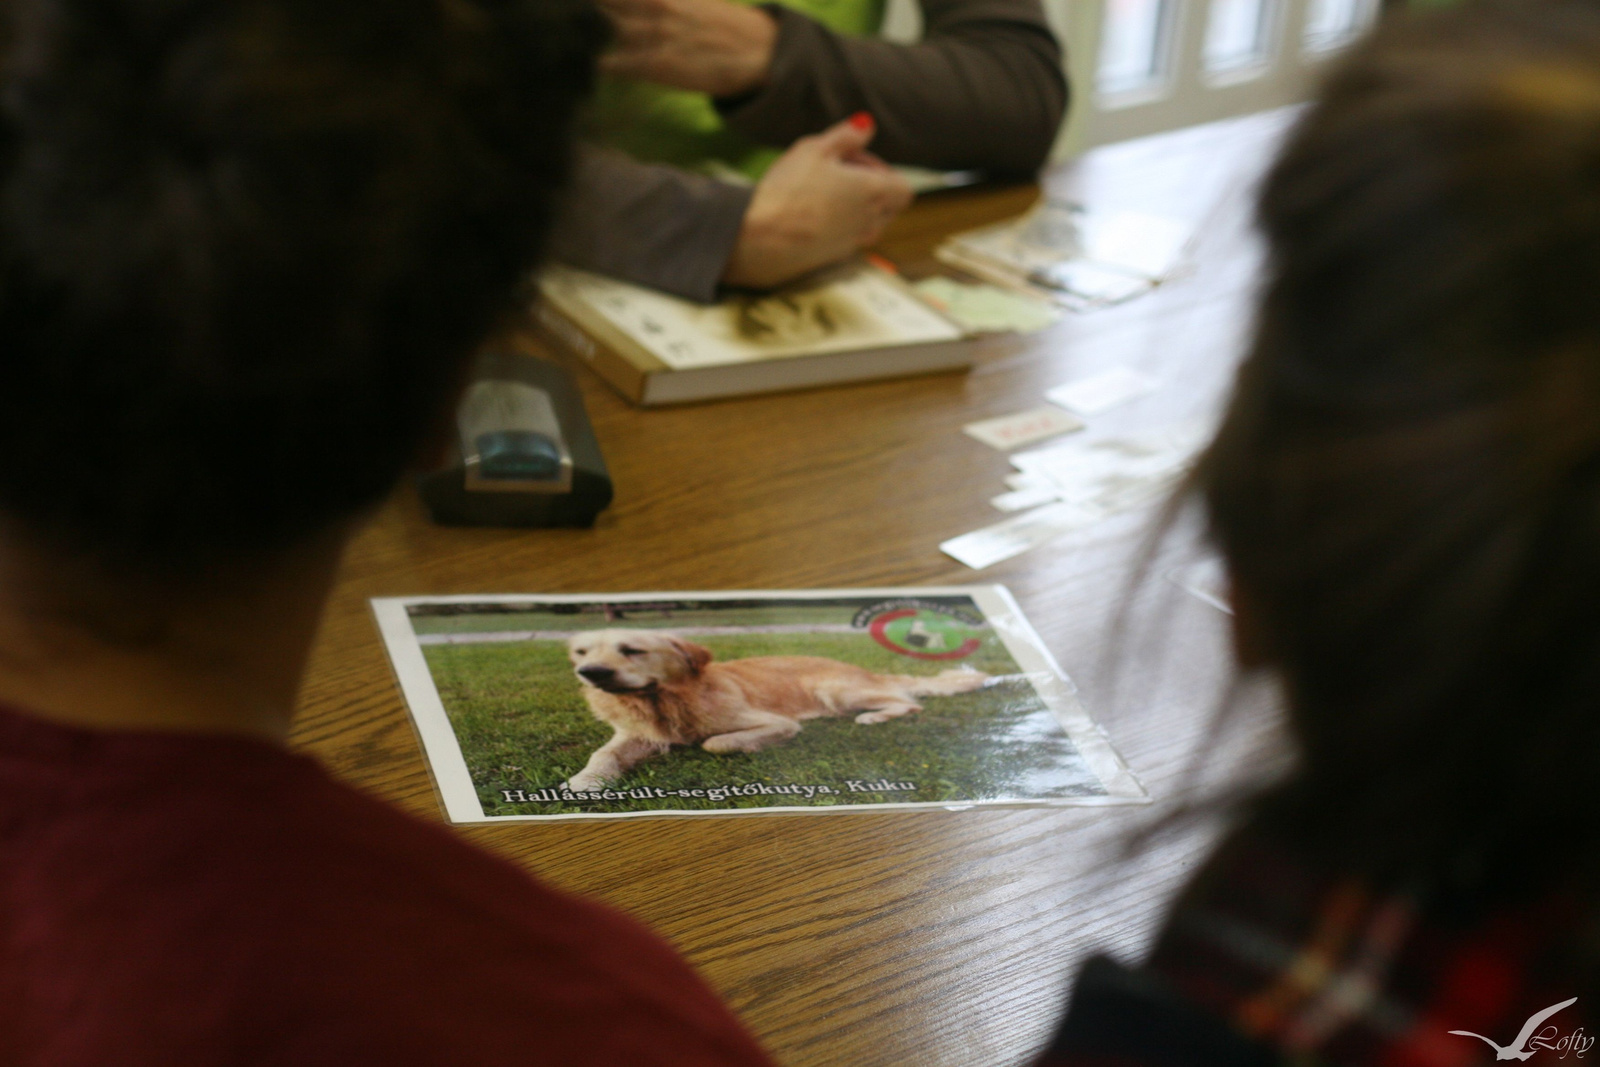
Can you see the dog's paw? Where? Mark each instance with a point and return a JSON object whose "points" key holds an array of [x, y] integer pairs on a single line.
{"points": [[872, 718], [725, 743], [583, 783]]}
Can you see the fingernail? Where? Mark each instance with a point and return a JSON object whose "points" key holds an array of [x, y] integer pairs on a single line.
{"points": [[862, 121]]}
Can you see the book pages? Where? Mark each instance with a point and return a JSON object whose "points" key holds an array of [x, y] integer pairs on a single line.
{"points": [[861, 307]]}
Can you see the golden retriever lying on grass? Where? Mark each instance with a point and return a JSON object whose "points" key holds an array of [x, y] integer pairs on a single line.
{"points": [[656, 689]]}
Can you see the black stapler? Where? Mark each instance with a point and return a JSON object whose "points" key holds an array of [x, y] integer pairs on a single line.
{"points": [[524, 453]]}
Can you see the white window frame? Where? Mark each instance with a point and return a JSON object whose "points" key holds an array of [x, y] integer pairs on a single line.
{"points": [[1186, 94]]}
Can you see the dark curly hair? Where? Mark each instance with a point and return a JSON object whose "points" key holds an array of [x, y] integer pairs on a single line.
{"points": [[1407, 484], [246, 247]]}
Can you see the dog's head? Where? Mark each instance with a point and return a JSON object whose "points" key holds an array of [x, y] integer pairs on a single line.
{"points": [[634, 661]]}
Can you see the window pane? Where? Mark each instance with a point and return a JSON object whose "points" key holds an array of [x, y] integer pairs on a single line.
{"points": [[1331, 23], [1133, 44], [1237, 34]]}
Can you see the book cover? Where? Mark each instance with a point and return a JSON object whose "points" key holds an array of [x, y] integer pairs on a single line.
{"points": [[622, 705], [853, 323]]}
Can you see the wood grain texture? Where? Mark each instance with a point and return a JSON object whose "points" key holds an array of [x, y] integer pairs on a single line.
{"points": [[875, 939]]}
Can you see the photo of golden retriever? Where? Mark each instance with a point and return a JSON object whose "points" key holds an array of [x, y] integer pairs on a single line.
{"points": [[656, 689]]}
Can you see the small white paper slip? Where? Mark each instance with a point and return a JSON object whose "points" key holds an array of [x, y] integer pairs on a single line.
{"points": [[1102, 392], [1024, 428], [1025, 480], [988, 546], [1021, 499], [1144, 244], [1114, 474]]}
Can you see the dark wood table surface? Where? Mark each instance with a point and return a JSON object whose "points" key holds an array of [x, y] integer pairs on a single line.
{"points": [[920, 937]]}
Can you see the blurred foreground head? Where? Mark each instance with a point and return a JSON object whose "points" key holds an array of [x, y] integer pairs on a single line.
{"points": [[246, 247], [1407, 485]]}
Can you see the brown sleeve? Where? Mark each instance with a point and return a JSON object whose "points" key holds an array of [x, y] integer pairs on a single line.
{"points": [[983, 89], [653, 225]]}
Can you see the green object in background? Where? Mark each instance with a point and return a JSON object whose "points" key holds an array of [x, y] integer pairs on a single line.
{"points": [[984, 308], [660, 125]]}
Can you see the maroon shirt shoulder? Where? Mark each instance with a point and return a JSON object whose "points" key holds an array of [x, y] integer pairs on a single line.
{"points": [[204, 900]]}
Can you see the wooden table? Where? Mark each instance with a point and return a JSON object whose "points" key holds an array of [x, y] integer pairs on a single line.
{"points": [[924, 937]]}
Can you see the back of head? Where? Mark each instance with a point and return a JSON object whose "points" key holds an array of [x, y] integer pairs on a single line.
{"points": [[246, 246], [1407, 485]]}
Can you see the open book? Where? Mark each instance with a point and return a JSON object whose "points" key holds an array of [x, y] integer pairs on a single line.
{"points": [[851, 324]]}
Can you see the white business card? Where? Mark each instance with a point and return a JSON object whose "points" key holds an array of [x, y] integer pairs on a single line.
{"points": [[1022, 499], [1144, 244], [1023, 428], [1027, 480], [988, 546], [1101, 392]]}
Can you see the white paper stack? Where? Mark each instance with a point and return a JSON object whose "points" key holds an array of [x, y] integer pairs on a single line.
{"points": [[1075, 484], [1077, 258]]}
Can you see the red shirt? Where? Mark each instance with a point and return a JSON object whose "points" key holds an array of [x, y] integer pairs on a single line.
{"points": [[193, 900]]}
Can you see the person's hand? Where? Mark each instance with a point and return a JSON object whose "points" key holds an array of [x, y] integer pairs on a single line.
{"points": [[823, 199], [711, 46]]}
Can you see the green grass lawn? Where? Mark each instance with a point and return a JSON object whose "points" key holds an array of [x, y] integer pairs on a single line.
{"points": [[523, 724]]}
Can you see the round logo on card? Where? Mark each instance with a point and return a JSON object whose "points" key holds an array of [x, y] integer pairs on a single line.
{"points": [[922, 630]]}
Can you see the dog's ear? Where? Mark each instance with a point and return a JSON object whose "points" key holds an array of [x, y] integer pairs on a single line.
{"points": [[694, 656]]}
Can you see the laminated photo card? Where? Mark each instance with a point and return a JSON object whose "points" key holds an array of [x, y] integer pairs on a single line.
{"points": [[618, 705]]}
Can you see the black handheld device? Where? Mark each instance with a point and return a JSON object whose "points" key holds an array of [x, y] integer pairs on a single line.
{"points": [[524, 453]]}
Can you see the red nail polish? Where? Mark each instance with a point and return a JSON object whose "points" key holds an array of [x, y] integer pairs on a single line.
{"points": [[862, 121]]}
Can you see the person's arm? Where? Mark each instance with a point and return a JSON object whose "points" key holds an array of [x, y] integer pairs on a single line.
{"points": [[818, 203], [685, 234], [652, 225], [983, 89]]}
